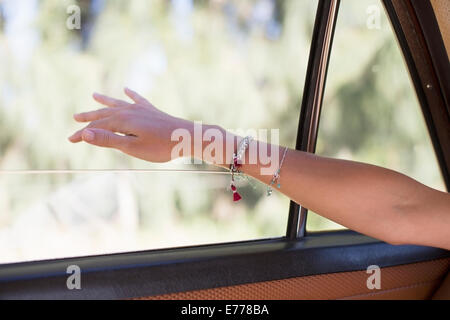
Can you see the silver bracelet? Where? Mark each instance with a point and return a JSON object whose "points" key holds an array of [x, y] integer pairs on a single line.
{"points": [[276, 175], [236, 163]]}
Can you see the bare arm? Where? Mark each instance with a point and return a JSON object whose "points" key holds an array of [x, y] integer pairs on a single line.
{"points": [[372, 200], [369, 199]]}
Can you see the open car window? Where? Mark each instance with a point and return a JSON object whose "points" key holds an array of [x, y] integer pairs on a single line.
{"points": [[238, 64]]}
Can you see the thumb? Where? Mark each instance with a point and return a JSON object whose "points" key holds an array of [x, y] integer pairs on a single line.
{"points": [[105, 138]]}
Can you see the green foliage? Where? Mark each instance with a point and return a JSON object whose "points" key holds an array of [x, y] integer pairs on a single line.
{"points": [[227, 73]]}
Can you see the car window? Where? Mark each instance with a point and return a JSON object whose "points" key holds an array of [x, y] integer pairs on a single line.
{"points": [[237, 64], [371, 113]]}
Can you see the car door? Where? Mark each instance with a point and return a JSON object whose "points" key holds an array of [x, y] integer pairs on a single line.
{"points": [[315, 258]]}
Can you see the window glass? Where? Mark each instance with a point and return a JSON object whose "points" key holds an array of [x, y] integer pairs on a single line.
{"points": [[371, 113], [238, 64]]}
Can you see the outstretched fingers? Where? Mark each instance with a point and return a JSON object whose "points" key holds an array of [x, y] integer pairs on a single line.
{"points": [[106, 138], [108, 101], [137, 98], [94, 115], [110, 124], [105, 123]]}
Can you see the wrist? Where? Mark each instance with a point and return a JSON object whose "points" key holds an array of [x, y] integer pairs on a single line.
{"points": [[211, 143]]}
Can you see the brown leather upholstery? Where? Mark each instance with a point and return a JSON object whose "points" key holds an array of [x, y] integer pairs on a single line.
{"points": [[412, 281], [443, 293], [442, 12]]}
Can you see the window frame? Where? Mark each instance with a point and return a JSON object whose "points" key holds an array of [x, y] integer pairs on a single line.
{"points": [[416, 29], [313, 92], [420, 40]]}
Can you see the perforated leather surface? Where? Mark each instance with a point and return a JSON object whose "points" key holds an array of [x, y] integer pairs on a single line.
{"points": [[443, 293], [412, 281], [442, 11]]}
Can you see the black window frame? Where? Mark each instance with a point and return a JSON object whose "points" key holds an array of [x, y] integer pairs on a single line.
{"points": [[316, 75], [428, 65], [154, 272]]}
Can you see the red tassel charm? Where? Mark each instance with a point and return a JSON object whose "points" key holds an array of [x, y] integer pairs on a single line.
{"points": [[236, 195], [236, 162]]}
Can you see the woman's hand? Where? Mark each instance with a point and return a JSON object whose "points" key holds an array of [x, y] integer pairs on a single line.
{"points": [[138, 129]]}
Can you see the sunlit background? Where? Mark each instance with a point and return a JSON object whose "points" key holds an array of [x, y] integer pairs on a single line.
{"points": [[239, 64]]}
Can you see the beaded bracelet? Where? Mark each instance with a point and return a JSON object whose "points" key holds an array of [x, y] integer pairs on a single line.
{"points": [[237, 163]]}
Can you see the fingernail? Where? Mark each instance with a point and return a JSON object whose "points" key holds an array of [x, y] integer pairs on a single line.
{"points": [[88, 135], [71, 137]]}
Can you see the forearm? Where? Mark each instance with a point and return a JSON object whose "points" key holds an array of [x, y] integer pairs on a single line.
{"points": [[369, 199]]}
